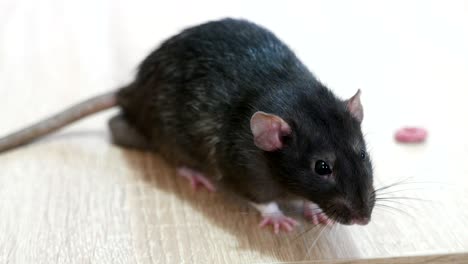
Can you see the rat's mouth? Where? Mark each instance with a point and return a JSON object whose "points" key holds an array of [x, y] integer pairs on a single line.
{"points": [[345, 216], [360, 221], [351, 221]]}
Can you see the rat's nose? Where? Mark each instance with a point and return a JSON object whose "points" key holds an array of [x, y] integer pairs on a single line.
{"points": [[360, 221]]}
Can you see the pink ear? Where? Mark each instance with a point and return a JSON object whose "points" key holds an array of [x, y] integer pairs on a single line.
{"points": [[354, 106], [268, 130]]}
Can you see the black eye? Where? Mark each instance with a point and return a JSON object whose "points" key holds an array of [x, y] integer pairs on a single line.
{"points": [[322, 168], [363, 154]]}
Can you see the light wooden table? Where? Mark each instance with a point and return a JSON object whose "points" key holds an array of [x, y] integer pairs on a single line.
{"points": [[75, 198]]}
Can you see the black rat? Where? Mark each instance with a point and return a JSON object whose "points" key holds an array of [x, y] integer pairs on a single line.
{"points": [[233, 107]]}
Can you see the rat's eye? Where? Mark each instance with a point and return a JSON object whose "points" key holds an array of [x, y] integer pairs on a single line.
{"points": [[363, 154], [322, 168]]}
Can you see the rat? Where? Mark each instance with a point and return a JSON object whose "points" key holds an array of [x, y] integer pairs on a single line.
{"points": [[233, 108]]}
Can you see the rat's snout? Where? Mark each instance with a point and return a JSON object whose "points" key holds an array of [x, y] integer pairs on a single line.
{"points": [[349, 214], [360, 221], [358, 216], [361, 215]]}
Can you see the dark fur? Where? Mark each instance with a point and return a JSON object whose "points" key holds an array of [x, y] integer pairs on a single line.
{"points": [[193, 99]]}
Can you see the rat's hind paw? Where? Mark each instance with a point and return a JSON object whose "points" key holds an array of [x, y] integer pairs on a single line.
{"points": [[313, 213], [196, 179], [279, 221]]}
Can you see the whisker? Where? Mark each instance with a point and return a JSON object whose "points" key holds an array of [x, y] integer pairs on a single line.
{"points": [[411, 189], [290, 241], [396, 209], [331, 216], [391, 201], [391, 185], [399, 183], [402, 198], [398, 202], [386, 210], [315, 242], [304, 232]]}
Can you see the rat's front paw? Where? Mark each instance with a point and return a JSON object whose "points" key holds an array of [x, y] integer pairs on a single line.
{"points": [[279, 221], [313, 213]]}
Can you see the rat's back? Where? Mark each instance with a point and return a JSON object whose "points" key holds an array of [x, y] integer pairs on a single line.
{"points": [[196, 81]]}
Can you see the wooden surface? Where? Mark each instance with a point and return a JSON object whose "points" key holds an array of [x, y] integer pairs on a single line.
{"points": [[75, 198]]}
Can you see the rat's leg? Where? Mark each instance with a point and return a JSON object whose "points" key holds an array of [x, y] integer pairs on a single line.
{"points": [[196, 178], [313, 212], [272, 215], [123, 134]]}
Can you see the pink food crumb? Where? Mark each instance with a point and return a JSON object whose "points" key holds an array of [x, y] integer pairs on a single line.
{"points": [[411, 135]]}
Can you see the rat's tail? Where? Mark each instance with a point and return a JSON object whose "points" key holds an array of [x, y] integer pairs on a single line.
{"points": [[63, 118]]}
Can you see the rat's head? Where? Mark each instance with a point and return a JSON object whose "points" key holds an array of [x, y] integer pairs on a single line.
{"points": [[321, 155]]}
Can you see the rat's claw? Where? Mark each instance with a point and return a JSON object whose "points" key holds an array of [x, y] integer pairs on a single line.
{"points": [[312, 217], [279, 221], [265, 221], [323, 218], [315, 214], [287, 226], [276, 227]]}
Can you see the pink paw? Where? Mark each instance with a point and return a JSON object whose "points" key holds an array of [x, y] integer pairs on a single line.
{"points": [[279, 221], [313, 213], [196, 179]]}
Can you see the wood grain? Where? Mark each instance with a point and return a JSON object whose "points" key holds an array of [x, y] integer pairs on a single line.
{"points": [[74, 198]]}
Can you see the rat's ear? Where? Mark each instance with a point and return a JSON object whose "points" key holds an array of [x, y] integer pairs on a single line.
{"points": [[268, 130], [354, 106]]}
